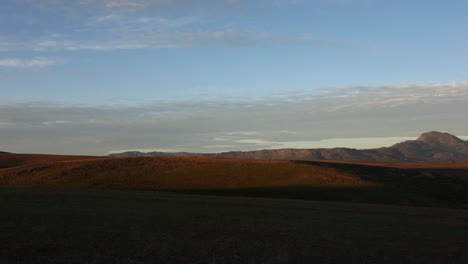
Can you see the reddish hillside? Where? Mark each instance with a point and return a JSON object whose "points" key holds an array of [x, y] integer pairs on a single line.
{"points": [[391, 183], [176, 173], [14, 160]]}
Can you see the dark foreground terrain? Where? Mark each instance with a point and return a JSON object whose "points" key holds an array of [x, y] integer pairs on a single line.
{"points": [[113, 226], [61, 209]]}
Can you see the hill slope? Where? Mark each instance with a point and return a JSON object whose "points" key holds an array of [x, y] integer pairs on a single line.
{"points": [[8, 160], [176, 173], [436, 186]]}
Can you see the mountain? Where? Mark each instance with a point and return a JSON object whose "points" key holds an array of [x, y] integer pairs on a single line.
{"points": [[429, 147], [152, 154]]}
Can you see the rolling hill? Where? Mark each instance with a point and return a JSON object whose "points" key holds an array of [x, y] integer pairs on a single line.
{"points": [[387, 183], [8, 160]]}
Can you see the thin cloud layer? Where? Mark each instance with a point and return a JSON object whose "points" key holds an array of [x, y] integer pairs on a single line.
{"points": [[222, 125]]}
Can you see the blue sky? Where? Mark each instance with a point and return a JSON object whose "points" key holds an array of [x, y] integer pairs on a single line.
{"points": [[166, 66]]}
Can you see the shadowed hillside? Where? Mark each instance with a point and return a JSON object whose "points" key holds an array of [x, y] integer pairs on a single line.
{"points": [[440, 185]]}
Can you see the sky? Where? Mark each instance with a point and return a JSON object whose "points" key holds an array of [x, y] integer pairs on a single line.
{"points": [[100, 76]]}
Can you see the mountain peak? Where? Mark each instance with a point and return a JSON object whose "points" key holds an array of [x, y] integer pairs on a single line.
{"points": [[439, 138]]}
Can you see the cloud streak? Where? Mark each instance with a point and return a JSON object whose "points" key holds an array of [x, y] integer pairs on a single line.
{"points": [[141, 39], [27, 63]]}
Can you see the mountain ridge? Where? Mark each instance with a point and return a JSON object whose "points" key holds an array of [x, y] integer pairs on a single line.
{"points": [[431, 146]]}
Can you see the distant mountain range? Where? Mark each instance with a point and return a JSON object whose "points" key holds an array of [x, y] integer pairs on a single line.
{"points": [[429, 147]]}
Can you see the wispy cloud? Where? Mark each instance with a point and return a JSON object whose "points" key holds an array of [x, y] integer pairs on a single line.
{"points": [[184, 3], [57, 122], [138, 38], [25, 63], [111, 29], [137, 23], [113, 4], [243, 133], [6, 124], [149, 40], [219, 146], [5, 46]]}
